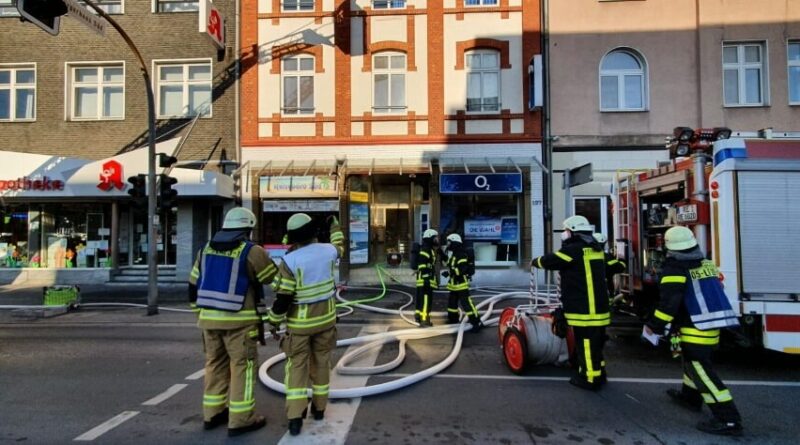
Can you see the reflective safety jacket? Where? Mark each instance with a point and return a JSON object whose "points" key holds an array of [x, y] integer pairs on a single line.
{"points": [[305, 287], [457, 265], [582, 264], [426, 266], [223, 280], [692, 299]]}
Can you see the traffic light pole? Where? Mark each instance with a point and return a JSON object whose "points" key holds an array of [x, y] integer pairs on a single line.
{"points": [[152, 254]]}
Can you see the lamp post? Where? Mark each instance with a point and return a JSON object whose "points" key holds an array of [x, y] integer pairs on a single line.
{"points": [[152, 254]]}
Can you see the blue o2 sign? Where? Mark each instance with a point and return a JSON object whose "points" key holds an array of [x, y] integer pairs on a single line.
{"points": [[480, 183]]}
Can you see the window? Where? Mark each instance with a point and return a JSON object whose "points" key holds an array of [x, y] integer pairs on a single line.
{"points": [[622, 82], [794, 72], [389, 83], [184, 89], [743, 74], [298, 85], [480, 2], [298, 5], [109, 6], [177, 5], [8, 8], [483, 80], [17, 93], [97, 92], [388, 4]]}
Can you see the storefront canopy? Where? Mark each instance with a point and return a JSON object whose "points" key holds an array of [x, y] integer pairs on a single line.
{"points": [[27, 175]]}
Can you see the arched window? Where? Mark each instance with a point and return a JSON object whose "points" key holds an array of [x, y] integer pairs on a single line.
{"points": [[623, 81], [389, 82], [483, 80]]}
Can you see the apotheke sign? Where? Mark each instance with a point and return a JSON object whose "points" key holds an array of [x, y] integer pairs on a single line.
{"points": [[43, 184]]}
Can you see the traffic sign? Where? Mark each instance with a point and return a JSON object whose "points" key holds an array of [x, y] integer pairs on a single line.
{"points": [[79, 12]]}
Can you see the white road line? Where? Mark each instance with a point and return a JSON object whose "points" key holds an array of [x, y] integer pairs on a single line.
{"points": [[171, 391], [339, 416], [197, 375], [106, 426], [613, 379]]}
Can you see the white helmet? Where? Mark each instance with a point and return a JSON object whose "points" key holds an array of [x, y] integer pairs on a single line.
{"points": [[297, 221], [577, 223], [430, 233], [679, 238], [454, 238], [600, 238], [239, 218]]}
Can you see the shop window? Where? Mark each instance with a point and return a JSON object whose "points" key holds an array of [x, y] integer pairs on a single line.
{"points": [[389, 82], [298, 84], [177, 5], [8, 8], [488, 223], [14, 246], [183, 89], [97, 92], [17, 93], [483, 80]]}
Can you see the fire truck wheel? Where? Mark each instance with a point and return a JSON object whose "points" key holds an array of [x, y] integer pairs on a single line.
{"points": [[515, 350]]}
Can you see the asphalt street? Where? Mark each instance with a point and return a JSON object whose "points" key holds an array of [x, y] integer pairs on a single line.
{"points": [[114, 375]]}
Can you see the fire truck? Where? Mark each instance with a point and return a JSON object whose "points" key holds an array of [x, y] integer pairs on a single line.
{"points": [[740, 194]]}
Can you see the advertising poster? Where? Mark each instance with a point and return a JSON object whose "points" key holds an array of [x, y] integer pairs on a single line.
{"points": [[484, 229], [509, 230], [359, 233]]}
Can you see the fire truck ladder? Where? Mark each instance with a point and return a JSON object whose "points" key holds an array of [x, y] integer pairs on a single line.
{"points": [[624, 205]]}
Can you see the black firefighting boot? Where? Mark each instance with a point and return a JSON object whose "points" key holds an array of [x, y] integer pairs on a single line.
{"points": [[220, 418], [318, 415], [477, 325], [257, 424], [718, 427], [295, 425]]}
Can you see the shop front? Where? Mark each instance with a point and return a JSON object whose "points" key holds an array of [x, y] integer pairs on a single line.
{"points": [[68, 220]]}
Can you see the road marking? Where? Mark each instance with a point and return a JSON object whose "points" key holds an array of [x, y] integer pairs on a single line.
{"points": [[613, 379], [632, 398], [197, 375], [106, 426], [171, 391], [334, 432]]}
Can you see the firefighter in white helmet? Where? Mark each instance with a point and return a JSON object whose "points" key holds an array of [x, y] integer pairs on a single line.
{"points": [[305, 300], [582, 265], [694, 305], [459, 274], [225, 285], [426, 276]]}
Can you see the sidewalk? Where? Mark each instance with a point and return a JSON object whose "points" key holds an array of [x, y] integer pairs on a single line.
{"points": [[172, 295]]}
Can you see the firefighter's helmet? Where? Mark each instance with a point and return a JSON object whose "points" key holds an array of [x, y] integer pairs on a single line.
{"points": [[299, 228], [430, 233], [600, 238], [454, 238], [577, 223], [239, 218], [679, 238]]}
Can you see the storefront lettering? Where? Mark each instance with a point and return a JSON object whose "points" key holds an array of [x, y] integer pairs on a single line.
{"points": [[45, 184], [482, 183]]}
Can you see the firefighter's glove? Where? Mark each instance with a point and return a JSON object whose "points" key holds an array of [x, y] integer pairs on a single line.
{"points": [[332, 220], [445, 273], [560, 326]]}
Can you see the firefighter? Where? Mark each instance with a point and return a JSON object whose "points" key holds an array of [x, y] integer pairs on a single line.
{"points": [[226, 284], [426, 276], [305, 299], [582, 265], [459, 274], [694, 304]]}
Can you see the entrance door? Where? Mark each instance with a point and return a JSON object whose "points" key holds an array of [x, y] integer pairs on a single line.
{"points": [[166, 240]]}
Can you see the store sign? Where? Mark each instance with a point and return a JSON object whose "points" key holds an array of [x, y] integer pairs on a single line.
{"points": [[45, 184], [298, 185], [301, 205], [480, 183], [211, 23], [483, 228], [111, 176]]}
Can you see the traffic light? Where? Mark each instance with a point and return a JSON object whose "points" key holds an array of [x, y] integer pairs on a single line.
{"points": [[167, 196], [138, 188], [43, 13], [165, 160]]}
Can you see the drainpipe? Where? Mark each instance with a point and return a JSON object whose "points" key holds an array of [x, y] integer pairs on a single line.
{"points": [[547, 142]]}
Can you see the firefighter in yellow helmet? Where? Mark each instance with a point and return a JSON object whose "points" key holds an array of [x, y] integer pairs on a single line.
{"points": [[225, 285], [305, 299], [582, 265], [694, 304], [426, 276], [459, 274]]}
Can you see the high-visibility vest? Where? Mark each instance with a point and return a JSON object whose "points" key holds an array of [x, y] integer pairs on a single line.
{"points": [[705, 300], [313, 269], [223, 280]]}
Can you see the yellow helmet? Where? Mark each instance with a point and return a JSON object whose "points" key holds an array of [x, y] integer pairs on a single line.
{"points": [[239, 218], [577, 223], [679, 238]]}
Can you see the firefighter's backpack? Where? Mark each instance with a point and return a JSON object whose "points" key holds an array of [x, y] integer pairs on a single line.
{"points": [[470, 270], [413, 260]]}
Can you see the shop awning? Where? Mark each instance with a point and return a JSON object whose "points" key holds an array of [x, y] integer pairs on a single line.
{"points": [[295, 167], [453, 164]]}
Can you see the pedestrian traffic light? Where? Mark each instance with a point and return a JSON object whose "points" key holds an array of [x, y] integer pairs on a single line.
{"points": [[45, 14], [167, 196], [165, 160], [138, 188]]}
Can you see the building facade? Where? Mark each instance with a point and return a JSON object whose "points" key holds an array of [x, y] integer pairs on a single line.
{"points": [[73, 112], [400, 115], [623, 74]]}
